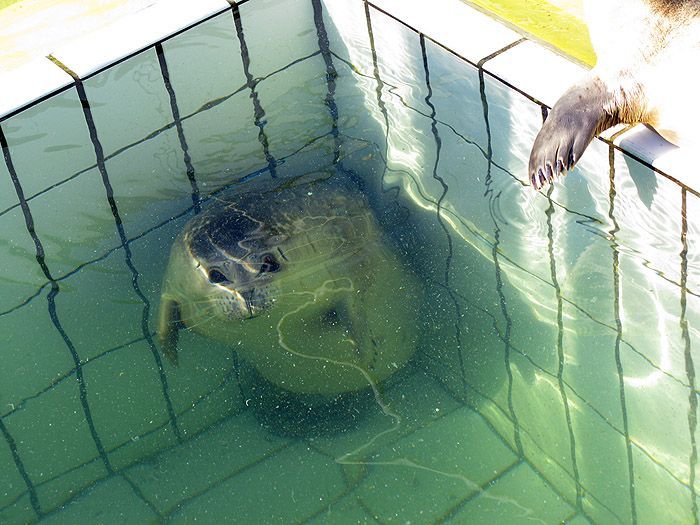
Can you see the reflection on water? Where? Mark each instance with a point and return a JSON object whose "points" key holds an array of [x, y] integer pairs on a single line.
{"points": [[430, 341]]}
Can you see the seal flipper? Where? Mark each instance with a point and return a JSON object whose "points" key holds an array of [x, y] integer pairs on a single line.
{"points": [[580, 114], [169, 325], [360, 332]]}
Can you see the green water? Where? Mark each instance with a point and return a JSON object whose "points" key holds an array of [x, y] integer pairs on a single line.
{"points": [[553, 374]]}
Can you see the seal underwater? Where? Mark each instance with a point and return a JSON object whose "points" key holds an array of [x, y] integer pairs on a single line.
{"points": [[646, 50], [301, 282]]}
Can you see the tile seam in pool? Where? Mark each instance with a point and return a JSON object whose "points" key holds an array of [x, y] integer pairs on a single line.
{"points": [[378, 80], [438, 210], [482, 489], [139, 494], [168, 514], [689, 362], [222, 384], [544, 453], [506, 337], [175, 110], [19, 464], [331, 75], [53, 314], [99, 155], [251, 83], [350, 488], [618, 321], [480, 63], [549, 212], [646, 163]]}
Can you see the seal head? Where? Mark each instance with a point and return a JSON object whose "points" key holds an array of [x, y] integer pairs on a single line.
{"points": [[301, 282]]}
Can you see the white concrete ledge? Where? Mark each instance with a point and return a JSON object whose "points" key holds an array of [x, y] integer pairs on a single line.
{"points": [[457, 26], [535, 70], [96, 50], [29, 83]]}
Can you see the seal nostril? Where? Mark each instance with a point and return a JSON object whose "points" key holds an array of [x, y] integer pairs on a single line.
{"points": [[269, 263], [216, 277]]}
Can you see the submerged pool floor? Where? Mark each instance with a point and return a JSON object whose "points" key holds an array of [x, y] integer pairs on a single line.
{"points": [[553, 379], [442, 462]]}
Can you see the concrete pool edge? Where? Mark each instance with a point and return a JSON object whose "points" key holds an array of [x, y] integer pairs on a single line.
{"points": [[95, 51], [523, 64]]}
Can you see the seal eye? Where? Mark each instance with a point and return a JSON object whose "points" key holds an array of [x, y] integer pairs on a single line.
{"points": [[269, 263], [216, 277]]}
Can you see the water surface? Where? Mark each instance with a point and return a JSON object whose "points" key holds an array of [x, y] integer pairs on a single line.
{"points": [[554, 375]]}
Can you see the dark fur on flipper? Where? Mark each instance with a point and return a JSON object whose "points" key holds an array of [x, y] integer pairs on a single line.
{"points": [[577, 117]]}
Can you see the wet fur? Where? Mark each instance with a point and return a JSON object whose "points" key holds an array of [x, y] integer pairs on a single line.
{"points": [[645, 50]]}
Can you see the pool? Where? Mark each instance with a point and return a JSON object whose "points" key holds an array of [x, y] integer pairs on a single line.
{"points": [[554, 376]]}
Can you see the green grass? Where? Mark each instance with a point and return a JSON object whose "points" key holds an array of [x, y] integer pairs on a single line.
{"points": [[545, 22], [6, 3]]}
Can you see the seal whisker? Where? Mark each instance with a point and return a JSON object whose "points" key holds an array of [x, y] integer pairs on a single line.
{"points": [[200, 322]]}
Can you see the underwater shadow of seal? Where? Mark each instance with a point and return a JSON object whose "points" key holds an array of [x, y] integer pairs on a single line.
{"points": [[302, 283]]}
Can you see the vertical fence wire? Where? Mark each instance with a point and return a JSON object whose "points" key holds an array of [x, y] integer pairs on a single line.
{"points": [[617, 296]]}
